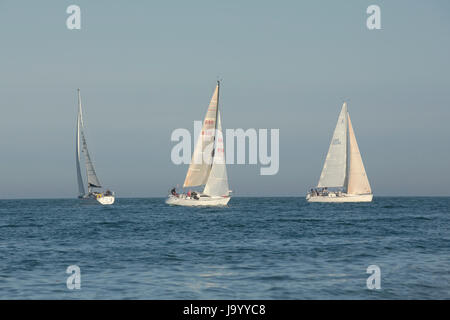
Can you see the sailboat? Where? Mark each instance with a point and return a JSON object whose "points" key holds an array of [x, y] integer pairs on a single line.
{"points": [[104, 198], [207, 165], [343, 177]]}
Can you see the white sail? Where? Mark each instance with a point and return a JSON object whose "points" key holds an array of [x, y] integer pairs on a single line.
{"points": [[334, 170], [358, 183], [91, 175], [200, 166], [217, 184], [81, 190]]}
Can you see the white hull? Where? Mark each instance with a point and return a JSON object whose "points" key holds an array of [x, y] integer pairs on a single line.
{"points": [[202, 201], [103, 200], [342, 198], [106, 200]]}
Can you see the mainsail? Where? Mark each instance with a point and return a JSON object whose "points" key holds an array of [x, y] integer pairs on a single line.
{"points": [[357, 177], [334, 170], [217, 184], [202, 157], [92, 178], [208, 165]]}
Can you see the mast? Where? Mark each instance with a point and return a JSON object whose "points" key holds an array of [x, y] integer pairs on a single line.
{"points": [[92, 179], [84, 144], [215, 124], [81, 190], [347, 143], [217, 180]]}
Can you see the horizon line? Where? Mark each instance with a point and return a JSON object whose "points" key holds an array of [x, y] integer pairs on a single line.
{"points": [[248, 196]]}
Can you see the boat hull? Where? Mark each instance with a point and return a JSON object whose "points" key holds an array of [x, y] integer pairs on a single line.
{"points": [[342, 198], [104, 200], [202, 201]]}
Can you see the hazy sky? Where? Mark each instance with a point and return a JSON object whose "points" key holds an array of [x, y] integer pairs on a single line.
{"points": [[146, 68]]}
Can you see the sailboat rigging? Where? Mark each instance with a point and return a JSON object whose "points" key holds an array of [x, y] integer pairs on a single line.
{"points": [[207, 165], [104, 198], [343, 169]]}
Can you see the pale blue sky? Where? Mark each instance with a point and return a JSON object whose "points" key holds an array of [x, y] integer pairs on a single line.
{"points": [[146, 68]]}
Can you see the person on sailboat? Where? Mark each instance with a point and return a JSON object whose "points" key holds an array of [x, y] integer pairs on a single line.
{"points": [[174, 192]]}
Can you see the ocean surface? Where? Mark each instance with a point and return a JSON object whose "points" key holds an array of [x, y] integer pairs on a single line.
{"points": [[256, 248]]}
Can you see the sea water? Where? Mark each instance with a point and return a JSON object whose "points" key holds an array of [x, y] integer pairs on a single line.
{"points": [[255, 248]]}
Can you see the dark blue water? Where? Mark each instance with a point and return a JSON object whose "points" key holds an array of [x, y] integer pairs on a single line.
{"points": [[257, 248]]}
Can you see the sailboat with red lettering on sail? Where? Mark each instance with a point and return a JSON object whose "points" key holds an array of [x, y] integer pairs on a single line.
{"points": [[207, 167]]}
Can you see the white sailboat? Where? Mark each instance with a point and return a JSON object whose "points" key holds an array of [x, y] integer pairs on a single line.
{"points": [[207, 166], [343, 177], [104, 198]]}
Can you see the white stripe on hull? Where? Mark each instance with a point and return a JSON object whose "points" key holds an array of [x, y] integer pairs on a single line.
{"points": [[343, 198], [203, 201]]}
